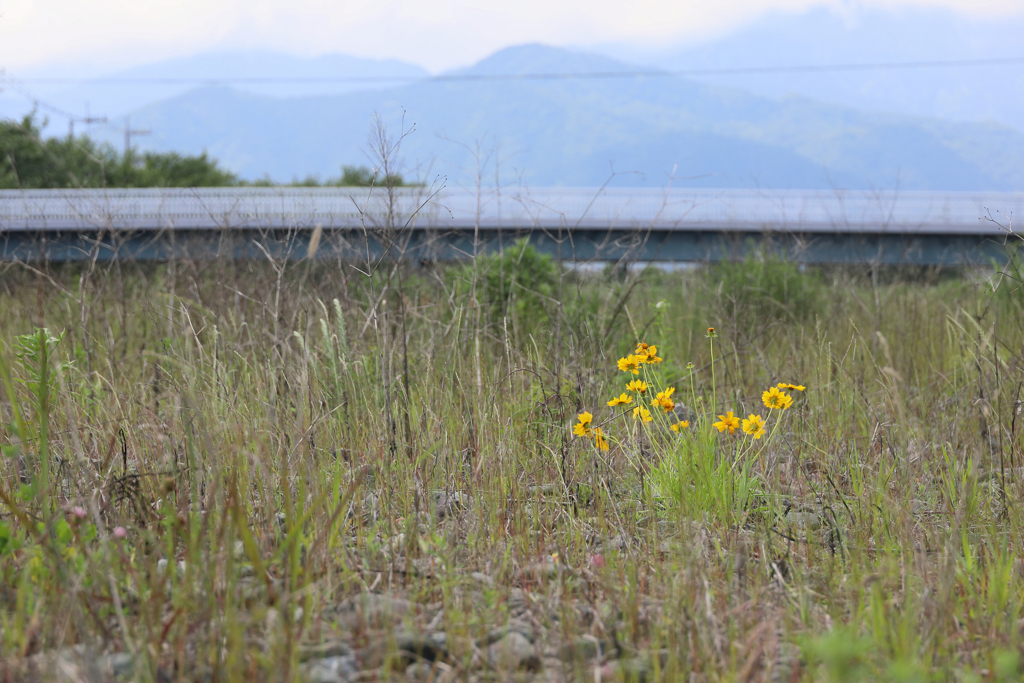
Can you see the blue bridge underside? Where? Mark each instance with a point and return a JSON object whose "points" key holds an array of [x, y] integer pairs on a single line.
{"points": [[428, 245]]}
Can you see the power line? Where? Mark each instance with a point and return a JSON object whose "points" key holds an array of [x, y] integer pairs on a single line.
{"points": [[586, 75], [17, 86]]}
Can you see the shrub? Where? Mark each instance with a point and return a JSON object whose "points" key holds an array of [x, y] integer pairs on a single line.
{"points": [[519, 282], [765, 288]]}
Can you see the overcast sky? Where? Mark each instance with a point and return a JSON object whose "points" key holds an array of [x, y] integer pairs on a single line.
{"points": [[438, 34]]}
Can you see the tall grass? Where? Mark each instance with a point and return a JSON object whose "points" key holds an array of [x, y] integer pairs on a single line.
{"points": [[225, 452]]}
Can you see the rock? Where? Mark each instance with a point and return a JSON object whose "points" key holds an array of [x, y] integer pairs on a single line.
{"points": [[371, 610], [516, 601], [544, 489], [628, 671], [395, 544], [513, 652], [70, 665], [449, 504], [541, 570], [440, 640], [431, 647], [420, 671], [162, 564], [338, 669], [803, 520], [330, 648], [583, 650], [426, 566], [480, 577], [425, 672], [620, 542], [513, 626], [120, 665], [405, 649]]}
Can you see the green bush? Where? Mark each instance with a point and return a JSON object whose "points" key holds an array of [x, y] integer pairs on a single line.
{"points": [[1007, 283], [765, 288], [519, 283]]}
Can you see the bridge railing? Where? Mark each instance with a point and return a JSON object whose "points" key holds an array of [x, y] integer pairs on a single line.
{"points": [[525, 208]]}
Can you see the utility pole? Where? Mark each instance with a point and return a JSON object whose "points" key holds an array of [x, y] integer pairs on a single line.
{"points": [[129, 132], [87, 120]]}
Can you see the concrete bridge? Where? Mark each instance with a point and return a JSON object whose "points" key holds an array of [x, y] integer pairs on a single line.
{"points": [[574, 224]]}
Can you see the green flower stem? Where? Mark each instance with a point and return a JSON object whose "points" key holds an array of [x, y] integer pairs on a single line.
{"points": [[714, 391]]}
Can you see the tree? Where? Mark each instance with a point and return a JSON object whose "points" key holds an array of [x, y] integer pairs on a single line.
{"points": [[27, 161], [361, 176]]}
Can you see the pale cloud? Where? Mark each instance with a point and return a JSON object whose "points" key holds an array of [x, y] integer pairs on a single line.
{"points": [[438, 35]]}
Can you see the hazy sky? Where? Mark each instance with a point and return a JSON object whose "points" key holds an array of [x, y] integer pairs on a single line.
{"points": [[438, 34]]}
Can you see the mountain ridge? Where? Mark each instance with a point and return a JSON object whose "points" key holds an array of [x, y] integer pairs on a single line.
{"points": [[579, 131]]}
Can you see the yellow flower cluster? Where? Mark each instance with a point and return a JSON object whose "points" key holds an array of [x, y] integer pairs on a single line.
{"points": [[643, 400], [643, 355], [641, 413], [754, 425], [637, 395], [663, 400]]}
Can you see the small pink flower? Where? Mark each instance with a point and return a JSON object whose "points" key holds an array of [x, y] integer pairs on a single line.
{"points": [[597, 561], [78, 511], [120, 532]]}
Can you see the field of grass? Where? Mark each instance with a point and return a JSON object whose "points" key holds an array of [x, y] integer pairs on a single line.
{"points": [[290, 472]]}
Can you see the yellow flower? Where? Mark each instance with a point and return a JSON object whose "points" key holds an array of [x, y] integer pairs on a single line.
{"points": [[663, 400], [642, 413], [647, 354], [791, 387], [637, 386], [727, 421], [630, 363], [583, 428], [599, 440], [711, 332], [776, 400], [679, 426], [754, 426], [623, 399]]}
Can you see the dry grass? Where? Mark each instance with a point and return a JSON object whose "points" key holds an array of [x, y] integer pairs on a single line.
{"points": [[270, 455]]}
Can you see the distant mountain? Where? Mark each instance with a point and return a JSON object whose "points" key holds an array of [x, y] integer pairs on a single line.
{"points": [[572, 132], [859, 33], [160, 81]]}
